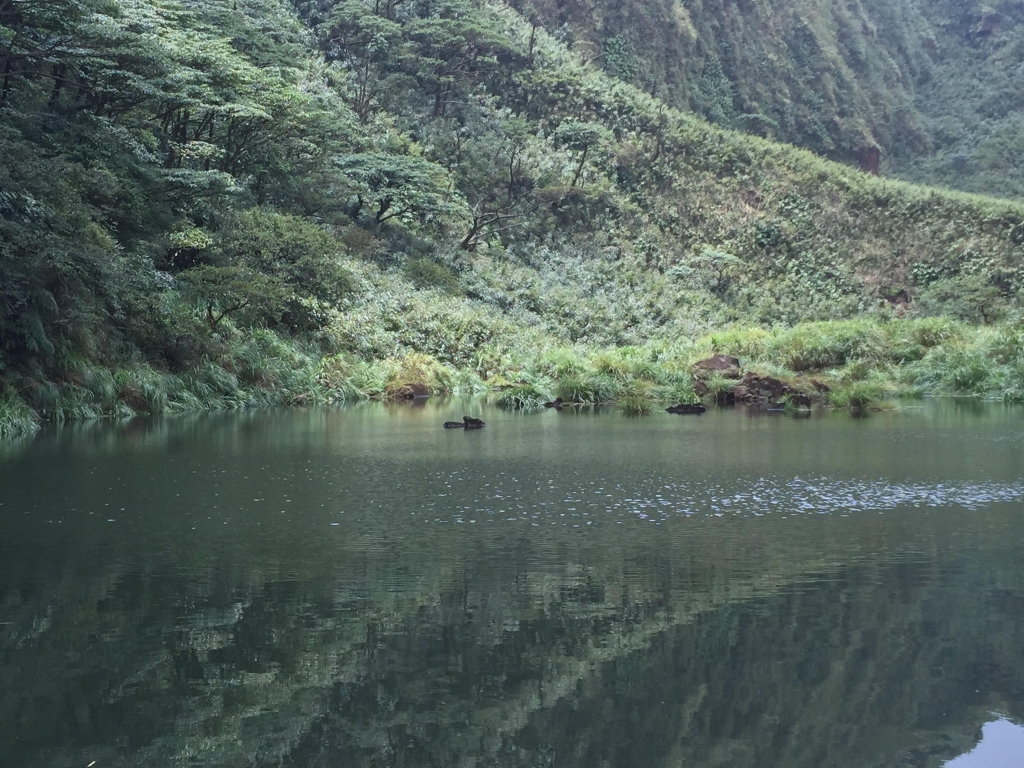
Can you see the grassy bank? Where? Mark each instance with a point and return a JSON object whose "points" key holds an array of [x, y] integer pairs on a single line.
{"points": [[839, 363]]}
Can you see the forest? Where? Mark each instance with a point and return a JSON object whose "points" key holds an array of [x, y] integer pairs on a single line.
{"points": [[231, 203]]}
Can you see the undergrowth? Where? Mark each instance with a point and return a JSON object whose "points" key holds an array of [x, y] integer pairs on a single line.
{"points": [[853, 364]]}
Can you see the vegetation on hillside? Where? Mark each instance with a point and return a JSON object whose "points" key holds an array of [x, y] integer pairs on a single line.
{"points": [[936, 87], [233, 202]]}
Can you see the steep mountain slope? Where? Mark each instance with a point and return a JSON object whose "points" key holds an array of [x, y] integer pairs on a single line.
{"points": [[935, 86], [185, 185]]}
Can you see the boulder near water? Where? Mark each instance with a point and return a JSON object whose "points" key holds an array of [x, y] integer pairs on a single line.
{"points": [[754, 388], [727, 365]]}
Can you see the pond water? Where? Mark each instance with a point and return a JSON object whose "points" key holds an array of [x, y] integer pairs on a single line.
{"points": [[359, 587]]}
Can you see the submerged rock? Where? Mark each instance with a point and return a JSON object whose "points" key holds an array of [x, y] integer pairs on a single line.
{"points": [[468, 422], [687, 409]]}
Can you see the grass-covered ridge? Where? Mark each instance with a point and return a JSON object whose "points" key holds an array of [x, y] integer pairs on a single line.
{"points": [[224, 204]]}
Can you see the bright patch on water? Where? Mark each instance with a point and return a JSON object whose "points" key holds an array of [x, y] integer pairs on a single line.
{"points": [[1001, 746]]}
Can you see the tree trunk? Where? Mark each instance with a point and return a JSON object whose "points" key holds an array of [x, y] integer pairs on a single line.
{"points": [[579, 168]]}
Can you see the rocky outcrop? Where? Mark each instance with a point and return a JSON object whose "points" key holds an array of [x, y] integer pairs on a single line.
{"points": [[754, 388], [726, 365]]}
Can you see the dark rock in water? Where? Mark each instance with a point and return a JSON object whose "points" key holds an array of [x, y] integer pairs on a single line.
{"points": [[557, 403], [468, 422], [800, 400], [688, 409], [727, 365]]}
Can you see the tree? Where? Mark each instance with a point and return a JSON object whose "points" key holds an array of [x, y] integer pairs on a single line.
{"points": [[492, 169], [581, 138], [452, 44], [970, 297], [223, 291], [398, 187], [363, 41]]}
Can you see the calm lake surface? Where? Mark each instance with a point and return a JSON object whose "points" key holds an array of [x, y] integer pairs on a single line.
{"points": [[359, 587]]}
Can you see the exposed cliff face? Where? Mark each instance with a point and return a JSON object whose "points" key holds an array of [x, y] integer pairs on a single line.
{"points": [[932, 85]]}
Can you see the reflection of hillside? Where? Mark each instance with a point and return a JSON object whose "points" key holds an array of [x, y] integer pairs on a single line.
{"points": [[665, 652], [273, 591]]}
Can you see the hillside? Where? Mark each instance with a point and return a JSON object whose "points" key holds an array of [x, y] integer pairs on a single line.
{"points": [[935, 86], [224, 203]]}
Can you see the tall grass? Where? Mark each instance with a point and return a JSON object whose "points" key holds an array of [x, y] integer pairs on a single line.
{"points": [[861, 361], [16, 418]]}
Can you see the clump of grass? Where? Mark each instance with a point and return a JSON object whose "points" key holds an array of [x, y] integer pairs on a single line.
{"points": [[526, 394], [17, 419], [910, 340], [637, 399], [858, 395], [822, 345], [418, 375], [637, 404], [954, 370], [143, 389], [718, 385], [560, 363], [744, 343], [624, 364], [593, 388], [679, 392], [1013, 381]]}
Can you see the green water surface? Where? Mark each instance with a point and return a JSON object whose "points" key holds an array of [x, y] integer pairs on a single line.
{"points": [[359, 587]]}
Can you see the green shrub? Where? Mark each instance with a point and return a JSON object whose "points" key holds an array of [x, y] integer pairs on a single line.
{"points": [[858, 395], [418, 375], [817, 346], [591, 388], [526, 394], [424, 273], [636, 404]]}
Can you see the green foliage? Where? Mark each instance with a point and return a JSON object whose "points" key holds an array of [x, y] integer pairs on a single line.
{"points": [[222, 291], [424, 273], [526, 394], [16, 418], [418, 375], [839, 78], [408, 189], [970, 297], [816, 346], [221, 205], [858, 395]]}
